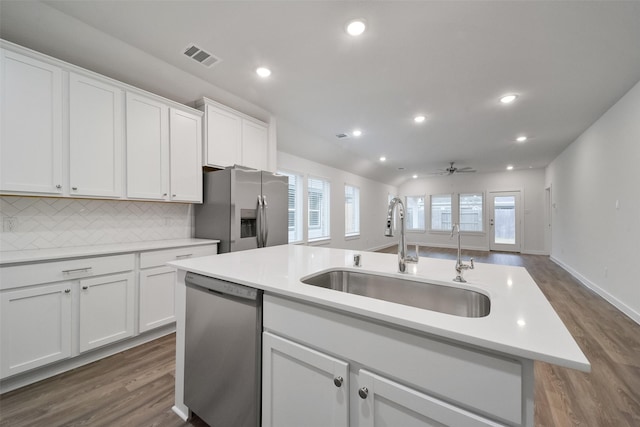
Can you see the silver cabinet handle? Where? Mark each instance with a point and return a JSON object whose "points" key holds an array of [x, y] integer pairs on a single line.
{"points": [[85, 287], [77, 270], [67, 291], [363, 392], [183, 256], [338, 381]]}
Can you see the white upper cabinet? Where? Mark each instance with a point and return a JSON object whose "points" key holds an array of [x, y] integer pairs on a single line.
{"points": [[147, 148], [95, 137], [233, 138], [31, 128], [255, 145], [223, 137], [186, 146]]}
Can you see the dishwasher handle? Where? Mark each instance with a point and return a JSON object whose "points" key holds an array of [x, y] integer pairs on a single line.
{"points": [[222, 287]]}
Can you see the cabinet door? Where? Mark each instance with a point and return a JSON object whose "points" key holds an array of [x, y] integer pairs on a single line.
{"points": [[106, 310], [223, 138], [382, 402], [147, 148], [157, 297], [35, 327], [95, 137], [31, 128], [302, 387], [186, 163], [255, 145]]}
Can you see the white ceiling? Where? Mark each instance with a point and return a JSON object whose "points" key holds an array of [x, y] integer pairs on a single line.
{"points": [[451, 60]]}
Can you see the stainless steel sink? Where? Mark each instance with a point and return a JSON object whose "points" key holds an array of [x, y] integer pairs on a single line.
{"points": [[429, 296]]}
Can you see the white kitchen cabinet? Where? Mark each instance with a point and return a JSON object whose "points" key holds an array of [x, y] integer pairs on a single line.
{"points": [[397, 378], [186, 163], [147, 148], [157, 306], [95, 137], [223, 137], [382, 402], [255, 145], [35, 327], [303, 387], [106, 310], [31, 128], [233, 138], [157, 297]]}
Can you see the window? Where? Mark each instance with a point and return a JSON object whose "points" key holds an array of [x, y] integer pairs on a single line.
{"points": [[414, 213], [441, 212], [351, 211], [295, 206], [318, 198], [471, 211]]}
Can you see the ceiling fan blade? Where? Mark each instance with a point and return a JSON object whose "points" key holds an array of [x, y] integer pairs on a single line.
{"points": [[465, 171], [466, 168]]}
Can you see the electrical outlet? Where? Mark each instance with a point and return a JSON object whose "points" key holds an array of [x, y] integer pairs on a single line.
{"points": [[9, 224]]}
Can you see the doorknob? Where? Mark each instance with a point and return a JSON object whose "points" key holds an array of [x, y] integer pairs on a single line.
{"points": [[491, 222]]}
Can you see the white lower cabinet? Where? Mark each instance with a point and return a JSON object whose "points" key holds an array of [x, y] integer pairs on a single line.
{"points": [[324, 367], [35, 327], [106, 310], [305, 387], [157, 297]]}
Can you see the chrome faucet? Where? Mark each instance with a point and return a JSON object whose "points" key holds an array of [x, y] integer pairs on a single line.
{"points": [[460, 266], [403, 258]]}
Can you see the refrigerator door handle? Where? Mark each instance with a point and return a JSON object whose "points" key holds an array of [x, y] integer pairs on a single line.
{"points": [[259, 221], [265, 225]]}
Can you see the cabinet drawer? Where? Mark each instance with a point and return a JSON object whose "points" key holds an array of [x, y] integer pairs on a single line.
{"points": [[49, 272], [159, 258]]}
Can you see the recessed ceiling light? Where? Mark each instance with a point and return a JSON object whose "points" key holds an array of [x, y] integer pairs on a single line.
{"points": [[419, 119], [263, 72], [356, 27], [521, 138], [509, 168], [415, 176], [357, 132], [383, 158], [508, 99]]}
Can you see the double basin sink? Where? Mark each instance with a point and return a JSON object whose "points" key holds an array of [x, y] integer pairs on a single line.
{"points": [[424, 295]]}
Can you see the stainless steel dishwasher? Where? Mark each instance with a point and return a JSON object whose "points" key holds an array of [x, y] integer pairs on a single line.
{"points": [[223, 352]]}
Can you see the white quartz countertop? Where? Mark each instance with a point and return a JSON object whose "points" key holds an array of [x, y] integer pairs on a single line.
{"points": [[37, 255], [521, 322]]}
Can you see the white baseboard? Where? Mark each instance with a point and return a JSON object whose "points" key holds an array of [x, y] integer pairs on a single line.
{"points": [[530, 252], [179, 412], [625, 309]]}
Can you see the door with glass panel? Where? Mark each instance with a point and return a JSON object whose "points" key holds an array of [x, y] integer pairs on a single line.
{"points": [[504, 221]]}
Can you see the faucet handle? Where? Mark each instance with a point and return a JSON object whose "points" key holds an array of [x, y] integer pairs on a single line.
{"points": [[357, 260], [471, 266]]}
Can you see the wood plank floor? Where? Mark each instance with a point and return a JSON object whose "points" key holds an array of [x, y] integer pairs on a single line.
{"points": [[135, 387]]}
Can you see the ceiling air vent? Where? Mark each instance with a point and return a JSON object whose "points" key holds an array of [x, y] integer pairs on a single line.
{"points": [[201, 56]]}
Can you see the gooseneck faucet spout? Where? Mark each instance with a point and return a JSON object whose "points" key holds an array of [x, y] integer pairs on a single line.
{"points": [[460, 266], [403, 258]]}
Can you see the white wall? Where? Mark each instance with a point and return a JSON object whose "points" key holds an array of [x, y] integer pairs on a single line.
{"points": [[596, 198], [529, 182], [373, 203]]}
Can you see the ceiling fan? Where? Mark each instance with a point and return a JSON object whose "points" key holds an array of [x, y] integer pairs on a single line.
{"points": [[452, 169]]}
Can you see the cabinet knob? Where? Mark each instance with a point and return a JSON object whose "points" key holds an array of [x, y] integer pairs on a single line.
{"points": [[67, 291], [363, 392], [58, 186], [173, 195], [85, 287], [338, 381], [164, 195], [74, 188]]}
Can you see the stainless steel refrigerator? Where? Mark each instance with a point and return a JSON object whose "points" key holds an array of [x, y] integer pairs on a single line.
{"points": [[243, 208]]}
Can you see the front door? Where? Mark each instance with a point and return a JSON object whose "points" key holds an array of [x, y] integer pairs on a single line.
{"points": [[504, 221]]}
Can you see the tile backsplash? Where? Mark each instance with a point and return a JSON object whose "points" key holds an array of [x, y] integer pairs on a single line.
{"points": [[46, 223]]}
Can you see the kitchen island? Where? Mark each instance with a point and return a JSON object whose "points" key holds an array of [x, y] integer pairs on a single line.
{"points": [[333, 358]]}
